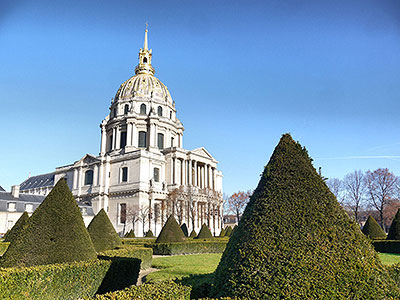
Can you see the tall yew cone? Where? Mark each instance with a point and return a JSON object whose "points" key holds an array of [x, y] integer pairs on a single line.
{"points": [[171, 232], [394, 231], [102, 232], [55, 233], [373, 230], [294, 241], [17, 228]]}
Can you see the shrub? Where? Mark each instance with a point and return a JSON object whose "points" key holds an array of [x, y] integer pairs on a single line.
{"points": [[190, 247], [222, 233], [193, 234], [12, 234], [144, 254], [57, 281], [204, 233], [295, 241], [228, 231], [373, 230], [185, 230], [143, 242], [167, 290], [130, 234], [102, 232], [149, 234], [3, 247], [394, 231], [171, 232], [386, 246], [55, 233]]}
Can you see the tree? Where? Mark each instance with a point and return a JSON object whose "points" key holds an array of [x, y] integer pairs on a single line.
{"points": [[171, 232], [336, 187], [381, 187], [237, 202], [175, 200], [354, 189], [12, 234], [204, 233], [372, 229], [144, 216], [185, 230], [132, 215], [295, 241], [394, 231], [55, 233]]}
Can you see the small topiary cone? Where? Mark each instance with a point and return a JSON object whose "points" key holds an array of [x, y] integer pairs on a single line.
{"points": [[193, 234], [373, 230], [228, 231], [185, 230], [394, 231], [222, 233], [171, 232], [149, 234], [12, 234], [204, 233]]}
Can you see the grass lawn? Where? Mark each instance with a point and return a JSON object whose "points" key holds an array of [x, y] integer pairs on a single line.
{"points": [[389, 258], [178, 266]]}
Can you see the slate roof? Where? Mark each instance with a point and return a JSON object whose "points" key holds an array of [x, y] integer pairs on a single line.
{"points": [[1, 189], [38, 181]]}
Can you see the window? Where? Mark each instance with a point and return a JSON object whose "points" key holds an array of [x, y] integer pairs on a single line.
{"points": [[172, 142], [29, 208], [11, 206], [156, 175], [122, 213], [160, 141], [88, 177], [122, 143], [110, 145], [126, 109], [10, 224], [124, 174], [145, 60], [142, 139], [115, 112], [159, 111], [84, 211], [170, 114], [143, 109]]}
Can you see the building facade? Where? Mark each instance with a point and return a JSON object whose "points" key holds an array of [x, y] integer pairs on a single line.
{"points": [[142, 162]]}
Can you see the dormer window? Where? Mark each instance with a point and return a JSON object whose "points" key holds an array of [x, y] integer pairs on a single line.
{"points": [[143, 109], [159, 111]]}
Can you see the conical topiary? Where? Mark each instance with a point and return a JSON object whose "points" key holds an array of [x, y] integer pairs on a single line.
{"points": [[228, 231], [193, 234], [171, 232], [394, 231], [17, 228], [222, 233], [294, 241], [373, 230], [55, 233], [204, 233], [102, 232], [130, 234], [185, 230], [149, 234]]}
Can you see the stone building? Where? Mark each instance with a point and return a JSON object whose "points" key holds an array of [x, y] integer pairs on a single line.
{"points": [[141, 161]]}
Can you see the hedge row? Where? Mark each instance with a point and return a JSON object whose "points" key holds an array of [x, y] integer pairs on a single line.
{"points": [[387, 246], [167, 290], [3, 247], [138, 241], [144, 254], [190, 247]]}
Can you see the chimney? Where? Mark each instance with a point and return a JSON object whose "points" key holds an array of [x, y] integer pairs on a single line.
{"points": [[15, 191]]}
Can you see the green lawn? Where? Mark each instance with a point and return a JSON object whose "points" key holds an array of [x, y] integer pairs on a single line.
{"points": [[389, 258], [172, 267]]}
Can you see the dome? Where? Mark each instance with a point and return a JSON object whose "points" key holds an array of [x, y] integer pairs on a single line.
{"points": [[145, 85]]}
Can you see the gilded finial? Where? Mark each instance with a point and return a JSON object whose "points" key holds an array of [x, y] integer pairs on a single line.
{"points": [[145, 46]]}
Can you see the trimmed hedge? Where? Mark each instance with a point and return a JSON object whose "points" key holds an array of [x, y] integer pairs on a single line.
{"points": [[130, 234], [386, 246], [193, 234], [171, 232], [185, 230], [149, 234], [295, 241], [144, 254], [204, 233], [166, 290], [373, 230], [190, 247], [228, 231], [55, 233], [142, 242], [222, 233], [3, 247], [394, 231], [57, 281], [12, 234], [102, 232]]}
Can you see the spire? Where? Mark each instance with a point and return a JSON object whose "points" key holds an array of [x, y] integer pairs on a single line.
{"points": [[145, 46], [144, 66]]}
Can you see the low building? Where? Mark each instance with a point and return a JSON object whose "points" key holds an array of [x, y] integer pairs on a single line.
{"points": [[230, 220]]}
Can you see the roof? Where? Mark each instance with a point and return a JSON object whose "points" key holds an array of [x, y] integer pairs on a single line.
{"points": [[38, 181], [1, 189], [22, 197]]}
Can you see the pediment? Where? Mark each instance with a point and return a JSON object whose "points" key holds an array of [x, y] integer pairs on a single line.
{"points": [[87, 159], [202, 152]]}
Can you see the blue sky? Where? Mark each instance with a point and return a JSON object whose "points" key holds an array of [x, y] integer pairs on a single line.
{"points": [[241, 73]]}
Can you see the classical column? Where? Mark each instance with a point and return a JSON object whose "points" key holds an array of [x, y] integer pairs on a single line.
{"points": [[95, 175], [180, 141], [129, 134], [176, 177], [152, 135], [189, 171], [79, 180], [75, 181], [114, 139], [103, 140], [182, 171], [195, 173], [206, 176], [118, 138]]}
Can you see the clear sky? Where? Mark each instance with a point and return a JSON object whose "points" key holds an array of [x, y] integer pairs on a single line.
{"points": [[241, 74]]}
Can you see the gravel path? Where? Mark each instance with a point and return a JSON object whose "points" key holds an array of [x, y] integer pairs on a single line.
{"points": [[143, 274]]}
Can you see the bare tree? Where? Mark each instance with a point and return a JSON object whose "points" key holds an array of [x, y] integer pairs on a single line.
{"points": [[336, 187], [175, 200], [354, 192], [132, 215], [144, 216], [381, 187], [237, 202]]}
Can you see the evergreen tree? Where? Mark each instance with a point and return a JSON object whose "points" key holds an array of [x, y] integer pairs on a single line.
{"points": [[149, 234], [55, 233], [193, 234], [373, 230], [204, 233], [130, 234], [102, 232], [17, 228], [294, 240], [171, 232], [228, 231], [394, 231], [222, 233], [185, 230]]}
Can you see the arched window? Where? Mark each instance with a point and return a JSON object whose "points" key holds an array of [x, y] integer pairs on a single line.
{"points": [[160, 141], [170, 114], [156, 175], [88, 177], [145, 60], [142, 139], [126, 109], [114, 112], [143, 109], [159, 111]]}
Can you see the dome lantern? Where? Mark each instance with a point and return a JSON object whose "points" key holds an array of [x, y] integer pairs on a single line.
{"points": [[144, 66]]}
